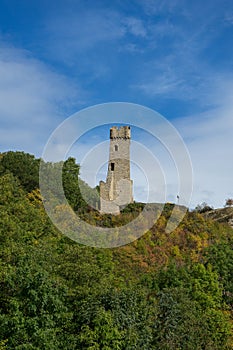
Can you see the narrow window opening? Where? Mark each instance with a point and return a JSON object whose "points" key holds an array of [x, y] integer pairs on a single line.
{"points": [[116, 148], [112, 166]]}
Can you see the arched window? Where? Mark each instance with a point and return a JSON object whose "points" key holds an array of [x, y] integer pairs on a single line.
{"points": [[112, 166], [116, 148]]}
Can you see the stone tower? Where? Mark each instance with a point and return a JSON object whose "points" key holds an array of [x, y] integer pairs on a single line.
{"points": [[117, 192]]}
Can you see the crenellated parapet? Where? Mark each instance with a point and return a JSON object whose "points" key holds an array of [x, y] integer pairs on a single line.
{"points": [[123, 132]]}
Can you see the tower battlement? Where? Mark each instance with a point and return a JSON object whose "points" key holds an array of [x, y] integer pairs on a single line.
{"points": [[123, 132], [116, 192]]}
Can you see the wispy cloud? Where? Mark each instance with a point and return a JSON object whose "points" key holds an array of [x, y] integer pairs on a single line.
{"points": [[80, 32], [135, 26], [208, 137], [152, 7], [181, 69], [163, 85], [229, 18], [32, 99]]}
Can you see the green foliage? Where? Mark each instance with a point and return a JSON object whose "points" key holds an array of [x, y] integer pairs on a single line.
{"points": [[22, 165], [63, 178], [221, 258], [3, 344], [182, 324], [78, 193], [32, 307], [164, 291], [102, 334], [70, 173], [201, 282]]}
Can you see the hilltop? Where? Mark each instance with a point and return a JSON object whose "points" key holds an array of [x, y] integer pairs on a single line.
{"points": [[222, 215], [162, 291]]}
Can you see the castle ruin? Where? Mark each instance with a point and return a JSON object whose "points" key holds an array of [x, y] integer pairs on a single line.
{"points": [[117, 191]]}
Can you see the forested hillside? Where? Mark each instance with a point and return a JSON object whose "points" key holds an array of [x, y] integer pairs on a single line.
{"points": [[163, 291]]}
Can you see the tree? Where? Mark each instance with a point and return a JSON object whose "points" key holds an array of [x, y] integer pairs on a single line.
{"points": [[78, 193], [33, 312], [229, 202], [164, 291], [182, 324], [22, 165], [203, 208]]}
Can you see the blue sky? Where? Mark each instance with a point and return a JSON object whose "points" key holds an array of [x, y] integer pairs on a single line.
{"points": [[175, 57]]}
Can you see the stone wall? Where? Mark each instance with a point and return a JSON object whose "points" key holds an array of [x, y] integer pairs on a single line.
{"points": [[118, 189]]}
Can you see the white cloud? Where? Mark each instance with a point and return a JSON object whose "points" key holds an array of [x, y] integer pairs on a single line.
{"points": [[86, 37], [229, 19], [135, 26], [152, 7], [32, 100], [81, 31], [184, 61], [208, 137], [162, 85]]}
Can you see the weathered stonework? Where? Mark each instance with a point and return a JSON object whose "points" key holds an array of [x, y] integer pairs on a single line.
{"points": [[117, 191]]}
